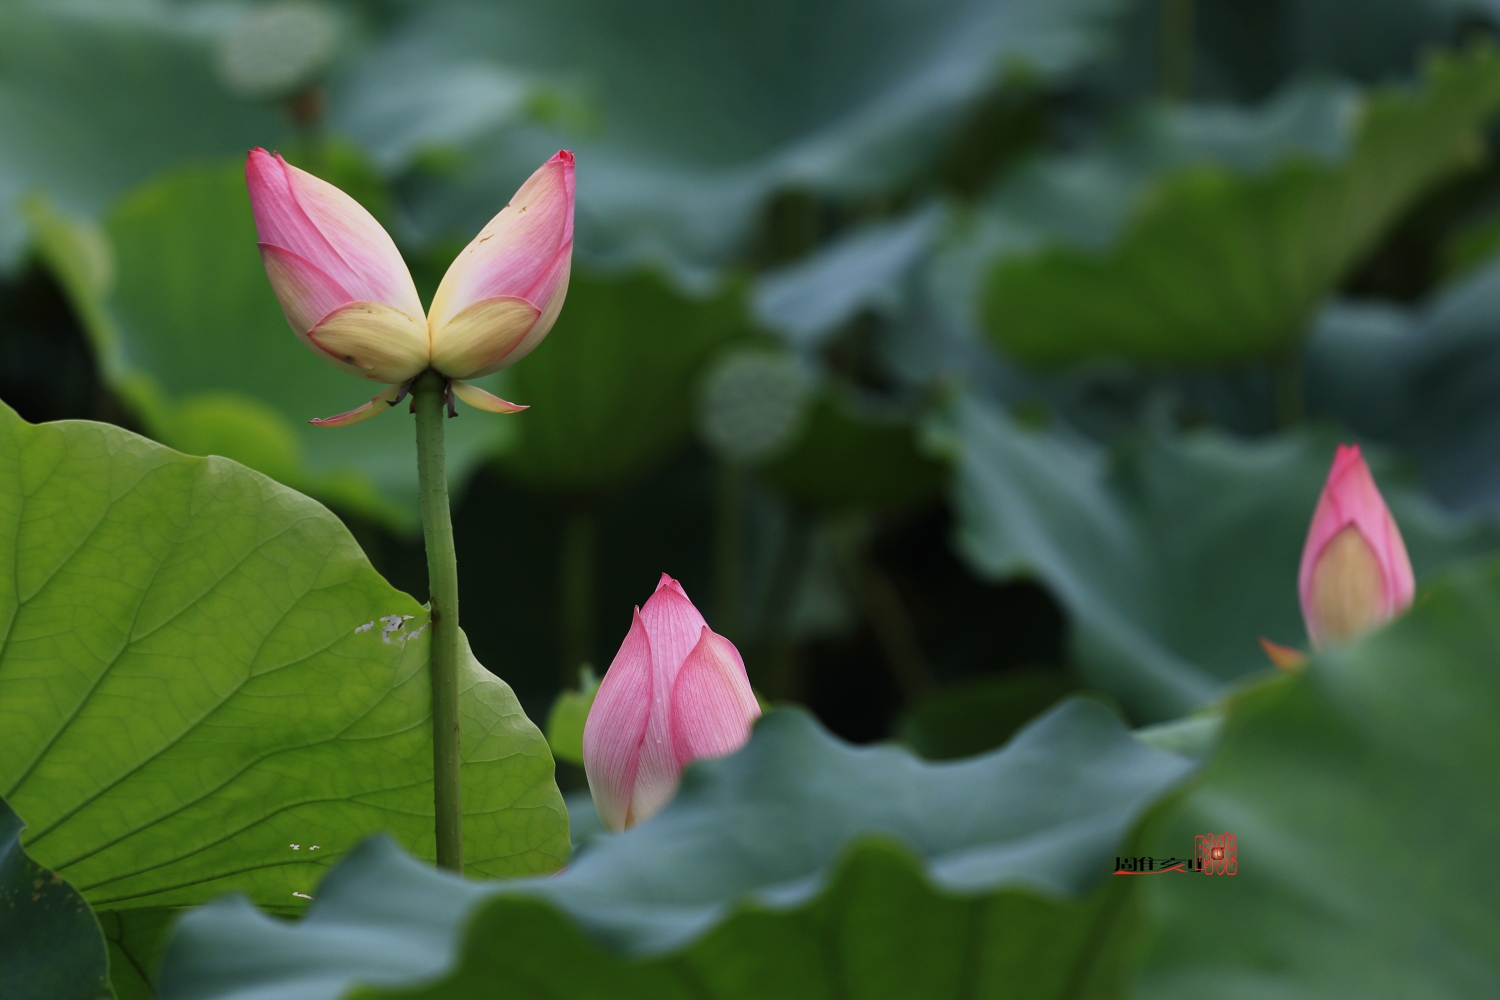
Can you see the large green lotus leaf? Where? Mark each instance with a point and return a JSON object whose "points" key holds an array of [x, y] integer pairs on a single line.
{"points": [[1172, 556], [198, 692], [800, 867], [1364, 794], [611, 388], [188, 330], [136, 939], [96, 96], [1217, 266], [702, 113], [50, 945]]}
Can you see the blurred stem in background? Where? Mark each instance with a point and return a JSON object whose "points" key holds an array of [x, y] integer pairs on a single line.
{"points": [[880, 603], [1176, 49], [578, 556], [729, 551], [1286, 372], [430, 398], [773, 669], [305, 108]]}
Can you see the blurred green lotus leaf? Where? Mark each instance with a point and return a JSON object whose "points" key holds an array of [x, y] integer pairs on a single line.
{"points": [[1174, 555], [1358, 790], [848, 457], [799, 867], [96, 97], [205, 686], [1425, 379], [50, 945], [980, 713], [188, 332], [703, 114], [611, 388], [1221, 264], [1374, 747]]}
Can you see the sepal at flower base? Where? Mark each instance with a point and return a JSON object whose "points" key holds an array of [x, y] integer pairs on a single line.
{"points": [[1283, 657], [482, 400], [384, 401]]}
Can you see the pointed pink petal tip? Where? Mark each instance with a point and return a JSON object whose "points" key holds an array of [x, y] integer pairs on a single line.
{"points": [[667, 581], [562, 156]]}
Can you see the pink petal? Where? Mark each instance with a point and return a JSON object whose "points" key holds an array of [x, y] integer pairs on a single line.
{"points": [[362, 244], [305, 291], [322, 225], [616, 725], [1350, 497], [544, 322], [481, 400], [712, 703], [373, 408], [518, 252], [281, 222], [673, 627]]}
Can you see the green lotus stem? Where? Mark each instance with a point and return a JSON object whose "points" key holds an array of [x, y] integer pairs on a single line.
{"points": [[430, 394]]}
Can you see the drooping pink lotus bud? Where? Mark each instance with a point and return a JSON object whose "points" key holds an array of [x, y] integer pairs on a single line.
{"points": [[676, 692], [1355, 573], [502, 294], [347, 293], [341, 281]]}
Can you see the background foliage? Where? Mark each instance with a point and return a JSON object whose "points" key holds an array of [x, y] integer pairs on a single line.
{"points": [[958, 357]]}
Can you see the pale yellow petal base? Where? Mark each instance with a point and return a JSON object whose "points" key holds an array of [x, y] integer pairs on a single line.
{"points": [[383, 344], [471, 343]]}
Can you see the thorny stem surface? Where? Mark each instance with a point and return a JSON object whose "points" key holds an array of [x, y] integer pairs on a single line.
{"points": [[429, 399]]}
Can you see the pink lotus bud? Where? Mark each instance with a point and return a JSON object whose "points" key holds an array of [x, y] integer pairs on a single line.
{"points": [[348, 295], [1355, 572], [341, 281], [502, 294], [675, 693]]}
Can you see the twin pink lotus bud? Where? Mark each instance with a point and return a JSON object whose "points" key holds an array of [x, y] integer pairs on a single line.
{"points": [[1355, 572], [676, 692], [347, 293]]}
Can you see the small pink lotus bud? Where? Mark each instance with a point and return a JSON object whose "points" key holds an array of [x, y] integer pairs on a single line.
{"points": [[1355, 573], [502, 294], [340, 279], [676, 692]]}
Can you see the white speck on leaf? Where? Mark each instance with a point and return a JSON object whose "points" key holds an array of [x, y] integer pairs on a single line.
{"points": [[302, 894], [296, 847], [365, 627], [393, 623]]}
